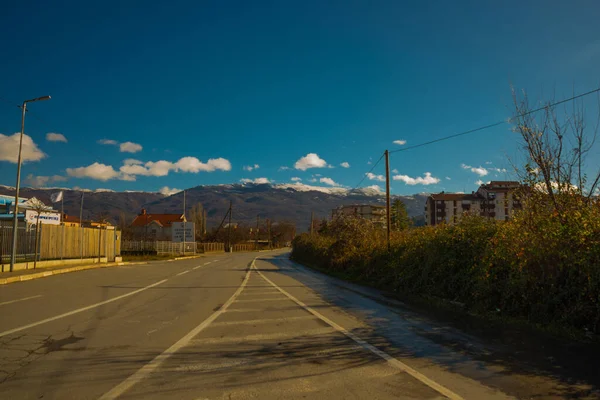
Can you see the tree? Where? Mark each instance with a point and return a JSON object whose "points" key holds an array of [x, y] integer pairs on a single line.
{"points": [[197, 217], [556, 144], [399, 216], [39, 207]]}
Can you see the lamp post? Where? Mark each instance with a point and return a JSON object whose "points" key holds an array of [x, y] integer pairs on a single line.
{"points": [[16, 207]]}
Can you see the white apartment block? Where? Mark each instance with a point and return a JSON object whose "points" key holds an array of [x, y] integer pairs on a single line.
{"points": [[495, 200]]}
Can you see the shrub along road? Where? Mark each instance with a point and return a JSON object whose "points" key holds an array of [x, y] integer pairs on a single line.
{"points": [[226, 327]]}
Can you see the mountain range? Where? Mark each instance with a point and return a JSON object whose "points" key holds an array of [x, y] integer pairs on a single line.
{"points": [[278, 202]]}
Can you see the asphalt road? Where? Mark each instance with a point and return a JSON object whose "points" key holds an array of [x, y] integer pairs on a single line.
{"points": [[225, 327]]}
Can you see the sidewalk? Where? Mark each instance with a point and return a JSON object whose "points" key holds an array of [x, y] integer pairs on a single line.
{"points": [[28, 274]]}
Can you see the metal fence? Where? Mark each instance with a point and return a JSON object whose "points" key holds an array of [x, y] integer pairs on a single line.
{"points": [[168, 247], [56, 242]]}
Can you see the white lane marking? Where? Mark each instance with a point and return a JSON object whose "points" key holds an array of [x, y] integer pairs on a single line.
{"points": [[258, 300], [206, 263], [23, 299], [2, 334], [183, 273], [215, 260], [199, 266], [364, 344], [162, 357], [262, 321], [266, 336]]}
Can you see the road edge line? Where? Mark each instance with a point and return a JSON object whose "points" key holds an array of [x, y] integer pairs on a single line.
{"points": [[366, 345], [150, 367]]}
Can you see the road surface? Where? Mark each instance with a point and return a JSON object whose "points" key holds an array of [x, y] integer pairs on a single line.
{"points": [[229, 327]]}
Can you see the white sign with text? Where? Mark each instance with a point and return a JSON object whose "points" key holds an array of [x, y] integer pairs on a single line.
{"points": [[182, 232], [51, 218]]}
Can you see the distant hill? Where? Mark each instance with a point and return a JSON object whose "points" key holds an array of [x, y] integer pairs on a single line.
{"points": [[292, 202]]}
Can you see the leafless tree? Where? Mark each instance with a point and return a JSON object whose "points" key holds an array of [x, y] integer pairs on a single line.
{"points": [[556, 143], [197, 217]]}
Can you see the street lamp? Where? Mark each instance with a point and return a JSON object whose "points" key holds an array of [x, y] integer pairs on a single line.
{"points": [[16, 207]]}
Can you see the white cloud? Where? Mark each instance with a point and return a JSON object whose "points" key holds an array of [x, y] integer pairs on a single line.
{"points": [[96, 170], [425, 180], [296, 179], [369, 163], [345, 164], [500, 170], [400, 142], [250, 167], [477, 170], [192, 164], [101, 190], [132, 161], [395, 171], [448, 178], [312, 180], [311, 160], [130, 147], [329, 181], [258, 181], [132, 167], [56, 137], [108, 142], [9, 148], [488, 163], [374, 177], [480, 182], [283, 168], [166, 191], [40, 181]]}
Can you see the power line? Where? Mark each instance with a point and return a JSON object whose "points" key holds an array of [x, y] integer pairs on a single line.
{"points": [[481, 128], [366, 174]]}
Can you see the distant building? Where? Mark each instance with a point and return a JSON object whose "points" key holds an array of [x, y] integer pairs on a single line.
{"points": [[148, 226], [28, 211], [370, 212], [495, 200]]}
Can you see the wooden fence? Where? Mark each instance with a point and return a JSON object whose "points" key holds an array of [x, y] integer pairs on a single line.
{"points": [[59, 242]]}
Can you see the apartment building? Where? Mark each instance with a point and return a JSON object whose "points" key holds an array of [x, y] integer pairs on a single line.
{"points": [[496, 200]]}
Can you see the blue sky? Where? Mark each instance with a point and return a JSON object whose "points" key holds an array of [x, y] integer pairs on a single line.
{"points": [[268, 83]]}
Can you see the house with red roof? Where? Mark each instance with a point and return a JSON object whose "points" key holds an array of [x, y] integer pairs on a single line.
{"points": [[150, 226]]}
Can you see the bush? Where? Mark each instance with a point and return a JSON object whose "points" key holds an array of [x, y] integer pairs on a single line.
{"points": [[537, 266]]}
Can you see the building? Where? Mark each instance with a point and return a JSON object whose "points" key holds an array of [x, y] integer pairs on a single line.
{"points": [[374, 213], [496, 200], [148, 226], [31, 211]]}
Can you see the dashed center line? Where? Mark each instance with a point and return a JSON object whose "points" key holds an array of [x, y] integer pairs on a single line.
{"points": [[184, 272], [199, 266], [206, 263]]}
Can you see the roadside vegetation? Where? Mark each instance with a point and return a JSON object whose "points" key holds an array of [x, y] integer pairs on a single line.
{"points": [[543, 265]]}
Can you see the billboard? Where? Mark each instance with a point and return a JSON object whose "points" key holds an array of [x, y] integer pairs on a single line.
{"points": [[52, 218], [182, 232]]}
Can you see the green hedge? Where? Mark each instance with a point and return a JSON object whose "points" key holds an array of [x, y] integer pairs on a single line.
{"points": [[536, 266]]}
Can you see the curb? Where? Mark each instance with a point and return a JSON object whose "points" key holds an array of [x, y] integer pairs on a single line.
{"points": [[21, 278]]}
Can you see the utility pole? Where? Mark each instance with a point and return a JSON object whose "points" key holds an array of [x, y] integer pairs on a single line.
{"points": [[13, 255], [387, 197], [312, 223], [229, 230], [256, 239]]}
